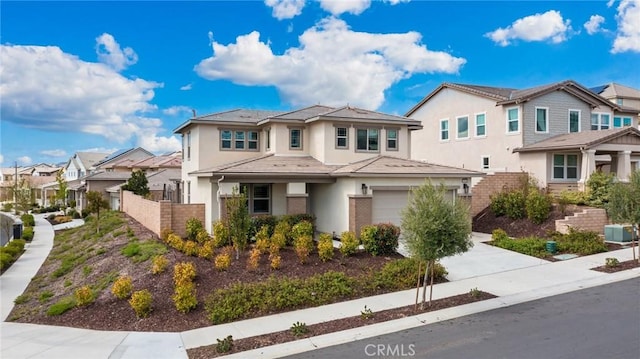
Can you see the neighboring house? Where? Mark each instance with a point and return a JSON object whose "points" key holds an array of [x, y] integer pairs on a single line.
{"points": [[147, 164], [122, 156], [164, 184], [347, 166], [620, 95], [494, 129], [81, 163]]}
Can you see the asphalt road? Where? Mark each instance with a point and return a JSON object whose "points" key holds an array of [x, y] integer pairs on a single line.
{"points": [[600, 323]]}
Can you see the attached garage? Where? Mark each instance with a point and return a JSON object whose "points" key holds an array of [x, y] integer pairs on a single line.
{"points": [[388, 204]]}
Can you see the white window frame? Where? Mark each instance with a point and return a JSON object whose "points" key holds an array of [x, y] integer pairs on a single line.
{"points": [[458, 118], [345, 137], [517, 120], [599, 121], [488, 165], [569, 120], [565, 166], [476, 125], [442, 131], [546, 119]]}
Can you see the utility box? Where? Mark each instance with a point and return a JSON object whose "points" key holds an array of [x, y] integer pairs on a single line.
{"points": [[17, 229], [617, 233]]}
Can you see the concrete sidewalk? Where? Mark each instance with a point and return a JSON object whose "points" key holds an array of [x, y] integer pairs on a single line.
{"points": [[514, 277]]}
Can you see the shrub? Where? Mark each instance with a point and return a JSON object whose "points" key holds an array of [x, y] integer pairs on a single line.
{"points": [[303, 246], [498, 205], [300, 229], [499, 234], [262, 245], [184, 297], [45, 296], [142, 251], [538, 206], [573, 197], [254, 260], [599, 185], [382, 241], [474, 293], [515, 206], [159, 264], [202, 236], [275, 260], [122, 287], [21, 299], [141, 302], [348, 243], [278, 240], [225, 345], [6, 259], [611, 262], [580, 242], [206, 250], [190, 248], [175, 241], [282, 231], [18, 244], [84, 295], [28, 220], [62, 219], [222, 261], [164, 234], [325, 247], [183, 272], [258, 223], [61, 306], [298, 329], [403, 273], [7, 207], [27, 233], [220, 234], [366, 313], [193, 226], [532, 246]]}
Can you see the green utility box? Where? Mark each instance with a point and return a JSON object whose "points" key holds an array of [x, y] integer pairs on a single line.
{"points": [[617, 233]]}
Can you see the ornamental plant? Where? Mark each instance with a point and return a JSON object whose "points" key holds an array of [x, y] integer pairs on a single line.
{"points": [[183, 272], [349, 243], [122, 287], [159, 264], [141, 302], [325, 247], [84, 295]]}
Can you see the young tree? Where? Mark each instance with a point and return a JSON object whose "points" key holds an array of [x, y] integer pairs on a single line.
{"points": [[95, 202], [23, 193], [137, 183], [238, 220], [624, 205], [61, 193], [435, 228]]}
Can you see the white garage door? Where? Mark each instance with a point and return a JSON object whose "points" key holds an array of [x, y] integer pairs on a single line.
{"points": [[388, 205]]}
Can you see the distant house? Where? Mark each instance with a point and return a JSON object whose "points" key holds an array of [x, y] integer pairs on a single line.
{"points": [[81, 164], [347, 166], [560, 132], [620, 95], [164, 184]]}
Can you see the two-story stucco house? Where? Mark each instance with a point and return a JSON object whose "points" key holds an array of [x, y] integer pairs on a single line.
{"points": [[347, 166], [560, 133]]}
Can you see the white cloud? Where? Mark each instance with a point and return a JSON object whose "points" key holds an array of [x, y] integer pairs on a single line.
{"points": [[186, 87], [45, 88], [54, 153], [337, 7], [177, 110], [628, 36], [24, 161], [549, 26], [110, 53], [333, 65], [1, 158], [396, 2], [99, 149], [285, 9], [593, 25], [610, 3]]}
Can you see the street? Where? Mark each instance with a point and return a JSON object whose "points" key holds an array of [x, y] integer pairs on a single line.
{"points": [[599, 322]]}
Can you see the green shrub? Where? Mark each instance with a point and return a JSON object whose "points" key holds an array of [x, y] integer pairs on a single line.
{"points": [[499, 234], [278, 240], [382, 241], [498, 205], [28, 220], [366, 313], [21, 299], [403, 273], [259, 222], [184, 297], [18, 244], [45, 296], [283, 228], [222, 261], [83, 296], [61, 306], [224, 345], [515, 205], [141, 302], [175, 241], [611, 262], [599, 185], [301, 229], [579, 242], [202, 236], [122, 287], [220, 234], [159, 264], [532, 246], [474, 293], [325, 247], [573, 197], [538, 206], [142, 251], [27, 233], [299, 329], [193, 226], [348, 243], [303, 245], [7, 207], [6, 259], [183, 272]]}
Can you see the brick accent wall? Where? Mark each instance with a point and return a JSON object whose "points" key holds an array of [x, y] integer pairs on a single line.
{"points": [[296, 204], [157, 216], [490, 185], [360, 212], [591, 219]]}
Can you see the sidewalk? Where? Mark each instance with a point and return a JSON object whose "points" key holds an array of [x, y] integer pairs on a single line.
{"points": [[514, 277]]}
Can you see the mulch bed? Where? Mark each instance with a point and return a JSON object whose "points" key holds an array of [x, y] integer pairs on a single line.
{"points": [[620, 267], [260, 341], [486, 222]]}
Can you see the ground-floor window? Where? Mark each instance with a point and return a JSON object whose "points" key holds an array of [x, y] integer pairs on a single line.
{"points": [[258, 197], [565, 166]]}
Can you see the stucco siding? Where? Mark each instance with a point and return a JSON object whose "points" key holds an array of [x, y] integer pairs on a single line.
{"points": [[535, 163], [278, 199], [330, 204]]}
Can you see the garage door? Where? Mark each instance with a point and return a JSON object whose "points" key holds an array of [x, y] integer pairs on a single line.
{"points": [[388, 205]]}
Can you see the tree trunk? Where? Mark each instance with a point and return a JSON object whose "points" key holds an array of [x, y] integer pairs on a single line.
{"points": [[433, 265], [98, 221], [424, 286], [415, 307]]}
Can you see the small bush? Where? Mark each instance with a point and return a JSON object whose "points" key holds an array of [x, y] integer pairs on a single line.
{"points": [[498, 205], [222, 261], [366, 313], [254, 260], [202, 236], [381, 241], [262, 244], [278, 240], [325, 247], [259, 222], [7, 207], [27, 233], [474, 293], [403, 273], [499, 234], [62, 219], [303, 246], [164, 234], [143, 251], [206, 250], [45, 296], [159, 264], [348, 243], [84, 295], [275, 261], [298, 329], [193, 226], [28, 220], [225, 345], [515, 206], [190, 248], [580, 242], [538, 206], [183, 272], [141, 301], [175, 241], [21, 299], [185, 298], [532, 246], [122, 287], [599, 185], [61, 306], [573, 197], [282, 231], [300, 229], [611, 262], [6, 259], [220, 234]]}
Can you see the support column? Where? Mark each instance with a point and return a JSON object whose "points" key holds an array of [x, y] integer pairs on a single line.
{"points": [[587, 168], [624, 166], [297, 198], [360, 212]]}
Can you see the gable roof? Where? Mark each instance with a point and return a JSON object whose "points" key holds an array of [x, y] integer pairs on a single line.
{"points": [[585, 140], [86, 159], [506, 96], [395, 167], [615, 90], [237, 116], [120, 154]]}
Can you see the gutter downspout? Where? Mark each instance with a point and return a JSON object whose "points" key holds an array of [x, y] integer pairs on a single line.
{"points": [[218, 197]]}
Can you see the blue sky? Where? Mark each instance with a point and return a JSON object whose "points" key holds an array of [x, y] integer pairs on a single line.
{"points": [[79, 76]]}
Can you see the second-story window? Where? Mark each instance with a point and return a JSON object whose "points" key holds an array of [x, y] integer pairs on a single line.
{"points": [[481, 125], [574, 120], [392, 139], [621, 121], [239, 140], [600, 121], [368, 139], [267, 136], [444, 130], [463, 127], [513, 120], [542, 120], [188, 145], [342, 137], [295, 139]]}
